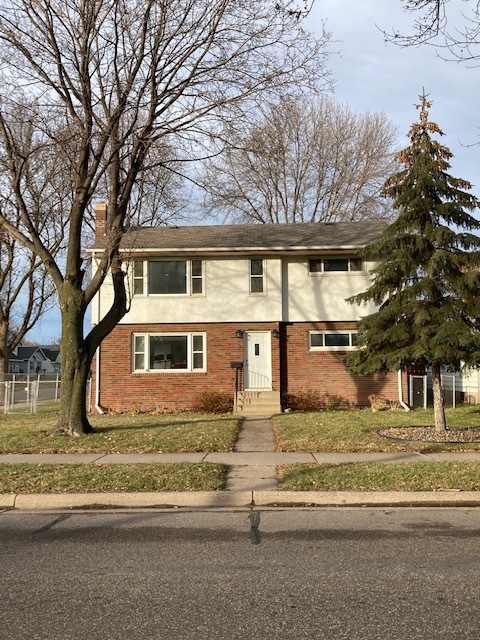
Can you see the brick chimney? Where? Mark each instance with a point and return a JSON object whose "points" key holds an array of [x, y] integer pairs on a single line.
{"points": [[100, 220]]}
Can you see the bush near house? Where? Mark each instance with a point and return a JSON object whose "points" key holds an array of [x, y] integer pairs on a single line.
{"points": [[213, 402], [310, 400]]}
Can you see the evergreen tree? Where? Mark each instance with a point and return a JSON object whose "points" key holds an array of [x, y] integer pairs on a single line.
{"points": [[427, 283]]}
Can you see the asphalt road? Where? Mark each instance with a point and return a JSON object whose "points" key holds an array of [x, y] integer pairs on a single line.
{"points": [[321, 573]]}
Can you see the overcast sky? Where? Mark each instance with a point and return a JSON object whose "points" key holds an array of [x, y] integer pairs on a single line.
{"points": [[371, 75]]}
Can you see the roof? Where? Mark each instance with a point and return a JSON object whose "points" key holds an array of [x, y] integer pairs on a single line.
{"points": [[308, 236], [25, 353]]}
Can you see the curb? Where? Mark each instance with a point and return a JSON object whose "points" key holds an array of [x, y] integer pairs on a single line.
{"points": [[238, 499]]}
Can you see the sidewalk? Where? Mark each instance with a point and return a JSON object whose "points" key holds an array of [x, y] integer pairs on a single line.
{"points": [[251, 481]]}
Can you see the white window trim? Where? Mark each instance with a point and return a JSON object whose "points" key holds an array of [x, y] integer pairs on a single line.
{"points": [[263, 276], [336, 332], [328, 274], [190, 277], [190, 352]]}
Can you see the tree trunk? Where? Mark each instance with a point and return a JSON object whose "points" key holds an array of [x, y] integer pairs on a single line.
{"points": [[438, 405], [76, 361], [78, 351]]}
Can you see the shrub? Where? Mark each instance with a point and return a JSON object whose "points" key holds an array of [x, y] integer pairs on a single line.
{"points": [[214, 402], [307, 400], [310, 400]]}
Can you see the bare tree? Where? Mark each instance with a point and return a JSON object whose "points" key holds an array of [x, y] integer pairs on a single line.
{"points": [[26, 293], [115, 79], [303, 160], [453, 28]]}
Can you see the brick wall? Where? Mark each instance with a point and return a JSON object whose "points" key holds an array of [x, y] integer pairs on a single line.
{"points": [[294, 368], [324, 372], [123, 390]]}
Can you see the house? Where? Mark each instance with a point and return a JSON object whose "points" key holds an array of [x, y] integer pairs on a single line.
{"points": [[35, 360], [254, 311]]}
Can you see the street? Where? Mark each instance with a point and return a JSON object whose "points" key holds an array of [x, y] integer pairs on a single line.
{"points": [[386, 573]]}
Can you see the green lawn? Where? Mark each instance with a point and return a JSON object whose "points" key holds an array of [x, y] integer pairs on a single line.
{"points": [[166, 433], [337, 431]]}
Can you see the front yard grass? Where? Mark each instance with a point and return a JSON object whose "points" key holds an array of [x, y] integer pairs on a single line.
{"points": [[406, 476], [110, 478], [143, 433], [356, 431]]}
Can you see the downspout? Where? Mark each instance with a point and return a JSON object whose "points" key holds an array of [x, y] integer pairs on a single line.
{"points": [[400, 392], [98, 408]]}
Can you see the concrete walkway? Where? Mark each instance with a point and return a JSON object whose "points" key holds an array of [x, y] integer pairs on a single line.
{"points": [[255, 437]]}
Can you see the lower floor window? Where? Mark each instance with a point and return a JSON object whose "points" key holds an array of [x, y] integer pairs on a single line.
{"points": [[178, 351], [328, 340]]}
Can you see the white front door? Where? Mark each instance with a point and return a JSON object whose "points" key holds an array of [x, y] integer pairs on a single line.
{"points": [[258, 360]]}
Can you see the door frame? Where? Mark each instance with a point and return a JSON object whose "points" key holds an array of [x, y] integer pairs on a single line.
{"points": [[265, 376]]}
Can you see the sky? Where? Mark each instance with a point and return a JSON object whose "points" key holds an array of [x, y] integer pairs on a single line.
{"points": [[371, 75]]}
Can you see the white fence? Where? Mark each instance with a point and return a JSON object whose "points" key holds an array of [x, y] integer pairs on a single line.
{"points": [[22, 393]]}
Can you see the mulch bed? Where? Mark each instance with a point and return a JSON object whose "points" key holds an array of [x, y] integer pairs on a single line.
{"points": [[428, 434]]}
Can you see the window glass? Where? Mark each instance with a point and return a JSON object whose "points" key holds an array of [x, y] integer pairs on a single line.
{"points": [[316, 339], [315, 266], [197, 349], [197, 277], [335, 264], [168, 352], [356, 264], [198, 343], [139, 352], [333, 340], [256, 276], [167, 277], [256, 267], [138, 277], [320, 265], [155, 352], [337, 340]]}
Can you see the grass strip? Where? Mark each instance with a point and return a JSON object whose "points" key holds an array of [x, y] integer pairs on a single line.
{"points": [[111, 478], [406, 476]]}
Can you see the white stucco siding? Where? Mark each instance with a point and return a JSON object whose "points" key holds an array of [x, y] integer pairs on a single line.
{"points": [[226, 297], [322, 296]]}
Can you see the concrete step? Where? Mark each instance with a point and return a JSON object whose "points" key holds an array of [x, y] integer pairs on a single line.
{"points": [[259, 410], [258, 402]]}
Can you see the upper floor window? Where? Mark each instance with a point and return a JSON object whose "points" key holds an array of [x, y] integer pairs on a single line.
{"points": [[256, 276], [168, 277], [332, 340], [328, 265]]}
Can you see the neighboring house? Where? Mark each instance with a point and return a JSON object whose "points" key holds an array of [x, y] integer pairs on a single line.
{"points": [[35, 360], [207, 300]]}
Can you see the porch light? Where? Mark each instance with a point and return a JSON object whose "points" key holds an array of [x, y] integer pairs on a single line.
{"points": [[239, 333], [276, 333]]}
